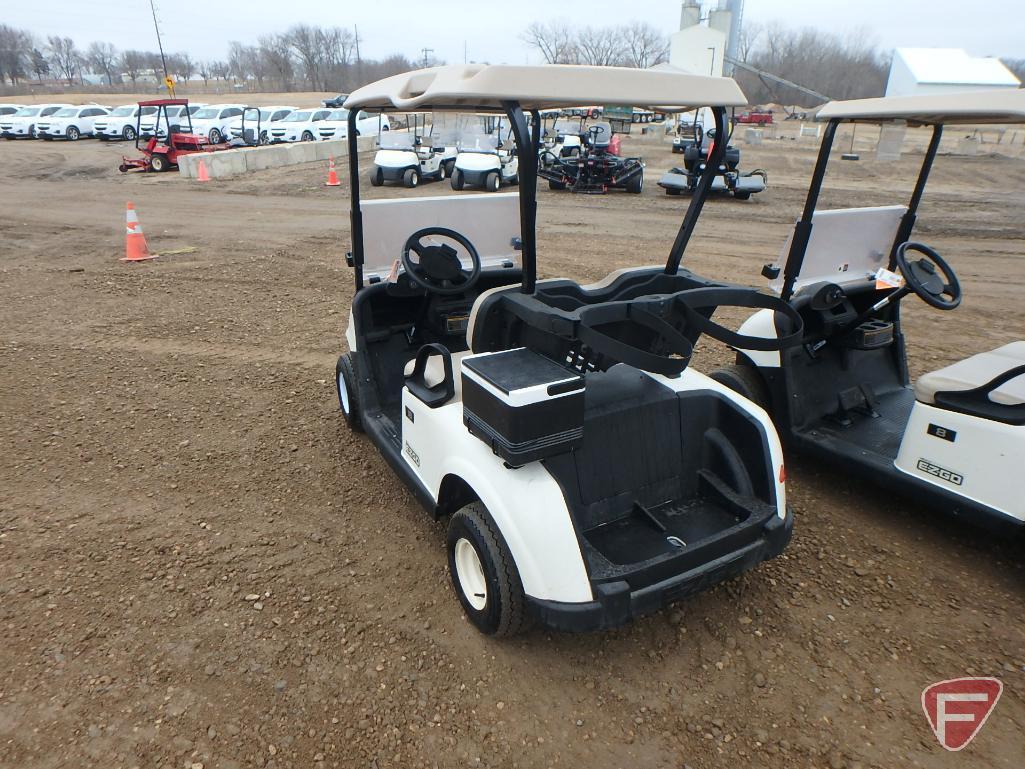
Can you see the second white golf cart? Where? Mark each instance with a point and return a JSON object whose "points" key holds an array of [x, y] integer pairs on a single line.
{"points": [[487, 157], [590, 475], [413, 155], [955, 440]]}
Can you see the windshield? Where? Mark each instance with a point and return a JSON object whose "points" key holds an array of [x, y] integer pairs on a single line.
{"points": [[478, 140], [298, 117], [174, 111], [567, 127], [27, 112], [396, 140], [66, 112], [206, 113], [125, 111], [338, 114]]}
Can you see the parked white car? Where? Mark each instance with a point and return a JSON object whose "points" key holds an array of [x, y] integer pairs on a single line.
{"points": [[6, 110], [22, 124], [212, 121], [176, 115], [336, 125], [71, 123], [301, 125], [269, 116], [121, 123]]}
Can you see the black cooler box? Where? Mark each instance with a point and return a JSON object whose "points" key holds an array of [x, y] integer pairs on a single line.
{"points": [[523, 405]]}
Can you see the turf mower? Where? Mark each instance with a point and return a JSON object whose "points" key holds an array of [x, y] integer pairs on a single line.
{"points": [[161, 153], [487, 156], [597, 168], [588, 475], [729, 179], [410, 157], [953, 440]]}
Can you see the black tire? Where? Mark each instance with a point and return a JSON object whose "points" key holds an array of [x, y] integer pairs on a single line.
{"points": [[215, 136], [635, 183], [159, 163], [411, 178], [376, 177], [128, 133], [744, 380], [514, 179], [457, 179], [742, 195], [264, 138], [348, 400], [504, 607], [673, 190], [552, 185], [46, 138], [450, 167], [441, 173], [307, 136], [493, 181], [73, 134]]}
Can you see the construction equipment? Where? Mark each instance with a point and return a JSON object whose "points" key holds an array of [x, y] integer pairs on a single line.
{"points": [[162, 153]]}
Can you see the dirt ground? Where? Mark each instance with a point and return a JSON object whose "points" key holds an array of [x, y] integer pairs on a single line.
{"points": [[201, 566]]}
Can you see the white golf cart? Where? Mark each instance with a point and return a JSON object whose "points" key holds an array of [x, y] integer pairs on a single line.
{"points": [[410, 157], [590, 475], [956, 439], [487, 156], [563, 140]]}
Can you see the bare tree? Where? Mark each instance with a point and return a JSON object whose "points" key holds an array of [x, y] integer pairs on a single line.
{"points": [[15, 53], [307, 43], [102, 57], [40, 65], [133, 63], [219, 69], [337, 49], [183, 67], [643, 45], [555, 40], [277, 57], [599, 46], [749, 34], [65, 56]]}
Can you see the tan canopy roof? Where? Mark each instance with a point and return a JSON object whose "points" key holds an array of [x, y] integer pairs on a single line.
{"points": [[1006, 105], [479, 87]]}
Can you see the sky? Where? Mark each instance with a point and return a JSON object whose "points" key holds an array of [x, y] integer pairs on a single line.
{"points": [[486, 31]]}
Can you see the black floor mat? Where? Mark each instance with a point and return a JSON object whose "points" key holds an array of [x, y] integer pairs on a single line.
{"points": [[882, 434]]}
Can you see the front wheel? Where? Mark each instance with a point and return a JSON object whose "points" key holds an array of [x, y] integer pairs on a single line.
{"points": [[346, 386], [74, 134], [635, 184], [376, 177], [264, 138], [492, 181], [457, 179], [128, 133], [744, 380], [307, 136], [411, 178], [742, 195], [158, 163], [484, 573], [215, 136], [553, 185]]}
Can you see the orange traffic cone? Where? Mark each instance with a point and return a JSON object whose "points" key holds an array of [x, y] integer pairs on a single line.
{"points": [[201, 173], [332, 177], [136, 249]]}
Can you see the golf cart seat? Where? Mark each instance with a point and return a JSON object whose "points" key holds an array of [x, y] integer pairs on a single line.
{"points": [[989, 384], [600, 135], [434, 372]]}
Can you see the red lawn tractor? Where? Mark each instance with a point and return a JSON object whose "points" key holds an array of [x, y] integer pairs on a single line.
{"points": [[161, 152]]}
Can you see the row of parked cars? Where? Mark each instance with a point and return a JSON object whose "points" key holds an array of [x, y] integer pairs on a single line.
{"points": [[217, 122]]}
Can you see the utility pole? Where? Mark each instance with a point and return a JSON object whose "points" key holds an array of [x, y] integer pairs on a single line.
{"points": [[359, 61], [426, 53], [160, 45]]}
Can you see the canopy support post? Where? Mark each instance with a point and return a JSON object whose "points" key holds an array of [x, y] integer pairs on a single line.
{"points": [[526, 153], [355, 213], [907, 223]]}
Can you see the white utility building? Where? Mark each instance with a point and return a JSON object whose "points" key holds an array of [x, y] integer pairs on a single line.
{"points": [[700, 48], [945, 70]]}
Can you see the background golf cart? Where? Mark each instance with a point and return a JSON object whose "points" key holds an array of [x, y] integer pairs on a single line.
{"points": [[590, 475], [596, 168], [486, 156], [416, 154], [957, 437], [696, 142]]}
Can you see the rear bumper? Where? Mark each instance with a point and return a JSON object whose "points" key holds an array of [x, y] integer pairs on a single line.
{"points": [[616, 604]]}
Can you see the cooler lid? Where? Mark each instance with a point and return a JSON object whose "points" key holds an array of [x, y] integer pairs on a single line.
{"points": [[520, 368]]}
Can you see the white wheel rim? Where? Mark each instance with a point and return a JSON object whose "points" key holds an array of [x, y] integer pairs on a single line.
{"points": [[470, 574], [343, 393]]}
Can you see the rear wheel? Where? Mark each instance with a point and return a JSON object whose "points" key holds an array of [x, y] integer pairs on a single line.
{"points": [[348, 392], [635, 183], [411, 178], [128, 133], [442, 172], [159, 163], [457, 179], [492, 181], [484, 573], [73, 134], [744, 380], [556, 185], [450, 167], [376, 177]]}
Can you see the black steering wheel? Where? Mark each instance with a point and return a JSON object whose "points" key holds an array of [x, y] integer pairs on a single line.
{"points": [[439, 269], [930, 277]]}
